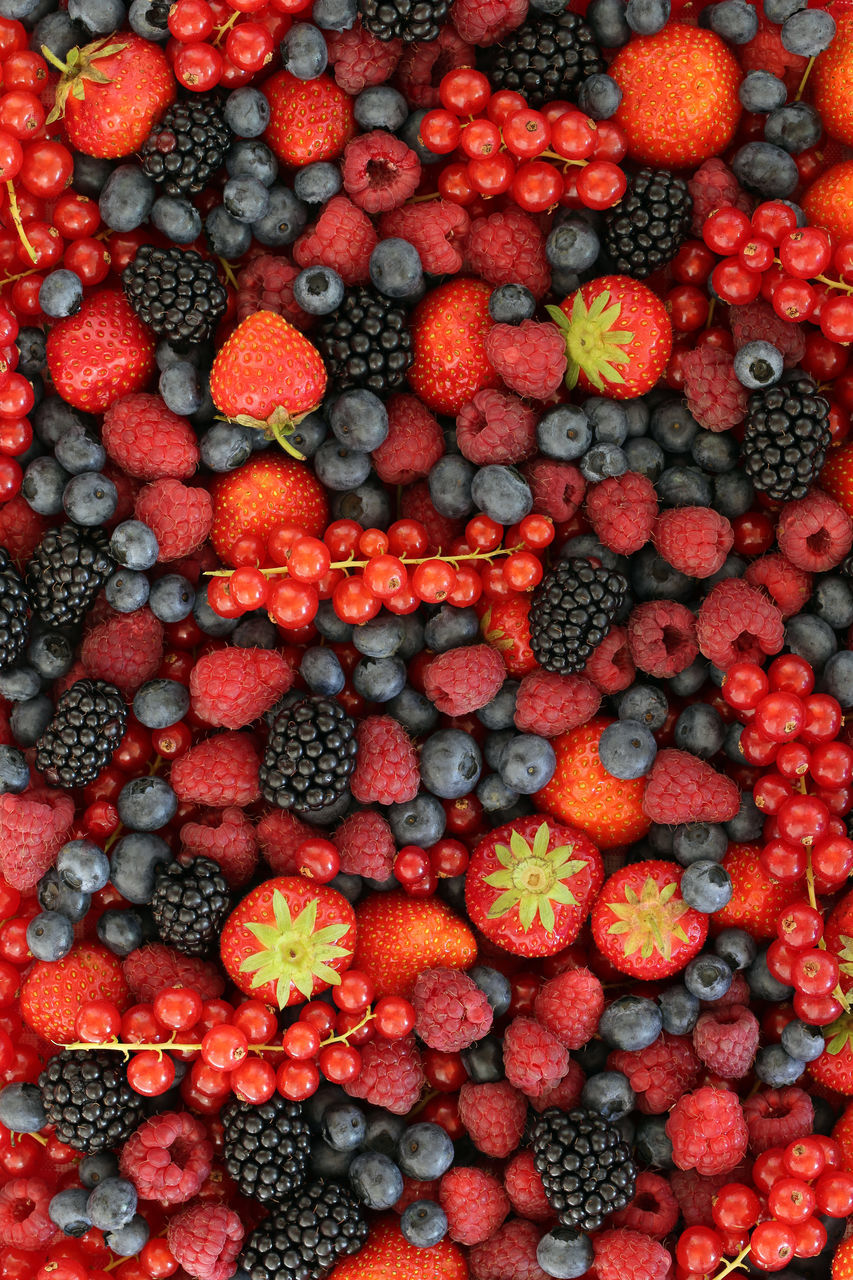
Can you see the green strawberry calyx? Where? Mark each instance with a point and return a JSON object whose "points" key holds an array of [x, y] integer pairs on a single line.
{"points": [[648, 920], [294, 952], [278, 426], [78, 68], [593, 345], [532, 878], [839, 1034]]}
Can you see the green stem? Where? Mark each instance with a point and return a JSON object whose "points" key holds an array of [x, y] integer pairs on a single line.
{"points": [[352, 563], [734, 1264], [54, 61], [18, 221]]}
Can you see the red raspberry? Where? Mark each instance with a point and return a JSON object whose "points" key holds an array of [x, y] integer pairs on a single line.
{"points": [[725, 1040], [147, 440], [622, 511], [168, 1158], [660, 1073], [451, 1010], [737, 623], [714, 396], [525, 1188], [475, 1203], [152, 968], [708, 1131], [494, 1115], [683, 788], [462, 680], [221, 771], [496, 427], [510, 1254], [231, 688], [789, 588], [416, 504], [766, 52], [379, 171], [534, 1059], [654, 1209], [24, 1220], [386, 769], [530, 357], [695, 1194], [775, 1117], [610, 666], [566, 1094], [366, 845], [815, 533], [280, 834], [413, 445], [342, 238], [550, 704], [486, 22], [33, 827], [266, 284], [126, 490], [570, 1005], [714, 186], [662, 637], [738, 993], [557, 488], [228, 837], [423, 65], [437, 229], [415, 1189], [630, 1255], [181, 517], [758, 322], [509, 248], [360, 59], [206, 1239], [694, 540], [21, 529], [125, 650], [391, 1075]]}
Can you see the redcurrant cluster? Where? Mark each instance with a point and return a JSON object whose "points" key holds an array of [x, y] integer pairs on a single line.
{"points": [[226, 42]]}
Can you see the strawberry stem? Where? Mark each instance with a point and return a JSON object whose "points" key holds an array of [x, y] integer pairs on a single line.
{"points": [[54, 61], [19, 225]]}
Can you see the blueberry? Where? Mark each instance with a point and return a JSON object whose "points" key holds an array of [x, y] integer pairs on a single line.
{"points": [[706, 886], [50, 935], [98, 16], [495, 745], [134, 545], [645, 704], [251, 158], [495, 986], [255, 631], [43, 486], [511, 303], [303, 51], [500, 712], [603, 461], [599, 96], [90, 499], [502, 493], [700, 730], [83, 865], [126, 590], [802, 1042], [758, 364], [690, 680], [57, 31], [528, 763], [51, 654], [330, 626], [484, 1061], [420, 821], [795, 127], [133, 865], [318, 290], [450, 482], [227, 237], [837, 677], [708, 976], [413, 711], [334, 15], [699, 841], [32, 346], [379, 679], [716, 452], [56, 896], [450, 763], [383, 1130], [451, 627], [181, 388], [309, 434], [779, 10], [344, 1126], [766, 170], [673, 427], [808, 32], [562, 1252], [338, 467], [146, 804], [368, 504], [14, 771], [645, 456], [321, 670], [573, 244], [627, 749], [128, 1240], [647, 17], [631, 1022], [29, 719], [395, 269], [679, 1010], [19, 684], [112, 1204], [317, 183], [610, 1094], [608, 22], [380, 107], [381, 637], [139, 16], [61, 293], [359, 419], [325, 1162], [127, 198], [683, 486], [761, 92], [423, 1223], [376, 1180], [737, 947], [776, 1068], [734, 20], [21, 1108], [811, 638], [653, 1145], [246, 112], [608, 419], [68, 1211], [177, 219], [171, 599], [245, 198], [225, 447], [425, 1151], [120, 931], [832, 601], [748, 822]]}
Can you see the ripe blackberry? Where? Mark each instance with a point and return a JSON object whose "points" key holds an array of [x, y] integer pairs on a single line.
{"points": [[571, 613], [176, 293], [367, 342], [184, 151], [648, 226], [190, 904], [304, 1238], [88, 1101], [14, 613], [86, 727], [786, 438], [391, 19], [310, 755], [66, 572], [585, 1165], [546, 57], [267, 1147]]}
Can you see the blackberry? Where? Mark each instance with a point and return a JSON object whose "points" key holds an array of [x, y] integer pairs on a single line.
{"points": [[304, 1238], [190, 904], [367, 342], [14, 613], [66, 572], [546, 57], [786, 438], [585, 1165], [185, 150], [310, 755], [267, 1147], [571, 613], [86, 727], [407, 20], [88, 1101], [648, 226], [176, 293]]}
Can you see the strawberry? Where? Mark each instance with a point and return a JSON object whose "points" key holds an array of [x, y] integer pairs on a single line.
{"points": [[387, 1255], [399, 937], [838, 936], [505, 625], [310, 120], [842, 1262], [288, 940], [834, 1067], [54, 991], [448, 330], [832, 81], [679, 96], [757, 898], [530, 884], [112, 93], [843, 1135], [641, 923], [836, 479], [583, 794], [618, 337], [100, 354], [829, 200], [265, 492]]}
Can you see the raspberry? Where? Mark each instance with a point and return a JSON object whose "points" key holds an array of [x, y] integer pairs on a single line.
{"points": [[181, 517], [510, 1254], [379, 171], [708, 1131], [280, 834], [33, 827], [125, 650], [126, 490], [475, 1203], [766, 52], [660, 1073], [168, 1158], [565, 1094], [486, 22], [550, 704], [462, 680], [758, 322], [725, 1040], [496, 427], [414, 1189], [737, 623], [694, 540], [366, 845], [451, 1010], [233, 687], [569, 1006], [815, 533], [630, 1255], [525, 1189], [662, 637], [654, 1209], [360, 59], [413, 445], [714, 396], [683, 788], [386, 770], [789, 588], [714, 186], [226, 836], [147, 440], [423, 65], [738, 993], [342, 238], [206, 1239], [509, 248], [494, 1115], [417, 505], [775, 1117], [221, 771], [610, 667], [530, 357], [557, 488], [534, 1059], [391, 1075], [622, 511], [436, 229], [21, 529], [266, 284], [24, 1220], [152, 968], [695, 1194]]}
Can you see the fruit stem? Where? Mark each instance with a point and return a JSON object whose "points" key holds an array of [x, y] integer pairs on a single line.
{"points": [[226, 27], [734, 1264], [54, 61], [835, 284], [22, 275], [228, 272], [361, 564], [553, 155], [279, 436], [16, 218], [117, 1046], [810, 882], [806, 75]]}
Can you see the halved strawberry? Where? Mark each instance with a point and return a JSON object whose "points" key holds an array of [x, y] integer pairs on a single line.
{"points": [[641, 923]]}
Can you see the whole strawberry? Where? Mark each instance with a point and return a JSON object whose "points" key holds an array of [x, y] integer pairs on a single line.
{"points": [[449, 328], [100, 354], [642, 925], [310, 120], [266, 491]]}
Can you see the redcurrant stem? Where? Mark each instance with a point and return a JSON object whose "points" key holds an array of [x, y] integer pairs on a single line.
{"points": [[117, 1046], [552, 155], [360, 564], [22, 275], [19, 225], [810, 881], [835, 284], [225, 28], [434, 195], [711, 307], [228, 272], [806, 75], [156, 766], [734, 1264], [110, 841]]}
